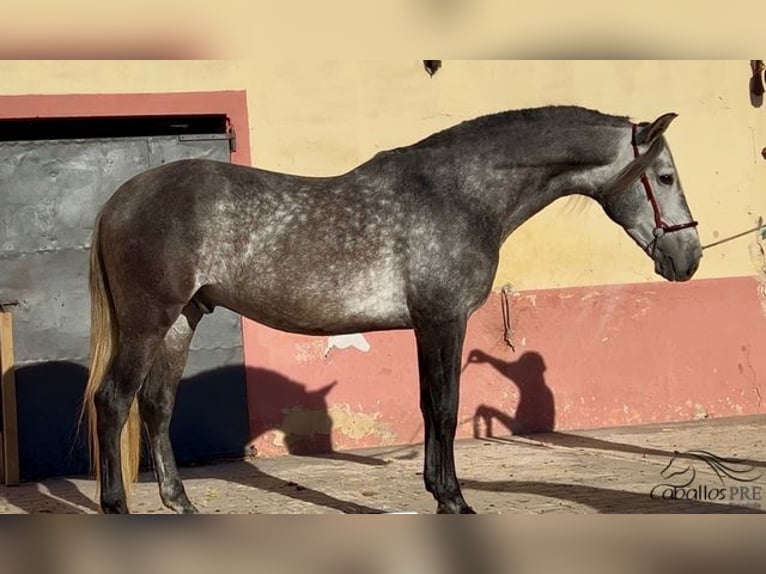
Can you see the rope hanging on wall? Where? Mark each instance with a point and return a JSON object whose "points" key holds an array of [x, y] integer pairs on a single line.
{"points": [[505, 305]]}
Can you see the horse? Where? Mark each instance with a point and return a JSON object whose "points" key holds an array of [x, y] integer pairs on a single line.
{"points": [[409, 239]]}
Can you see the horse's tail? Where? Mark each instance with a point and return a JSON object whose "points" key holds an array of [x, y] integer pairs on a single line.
{"points": [[103, 345]]}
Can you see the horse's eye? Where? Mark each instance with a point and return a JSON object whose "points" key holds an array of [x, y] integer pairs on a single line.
{"points": [[666, 179]]}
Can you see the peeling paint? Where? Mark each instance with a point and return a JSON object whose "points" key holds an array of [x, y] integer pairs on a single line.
{"points": [[644, 305], [300, 421], [308, 352], [355, 425], [700, 412], [631, 416], [356, 340], [278, 438], [589, 296]]}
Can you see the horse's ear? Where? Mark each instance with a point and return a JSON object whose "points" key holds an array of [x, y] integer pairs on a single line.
{"points": [[655, 129], [324, 391]]}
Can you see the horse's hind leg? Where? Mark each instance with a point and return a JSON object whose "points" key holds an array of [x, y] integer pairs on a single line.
{"points": [[113, 399], [156, 402], [439, 350]]}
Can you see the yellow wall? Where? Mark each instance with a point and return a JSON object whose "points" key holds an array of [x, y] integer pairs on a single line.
{"points": [[321, 118]]}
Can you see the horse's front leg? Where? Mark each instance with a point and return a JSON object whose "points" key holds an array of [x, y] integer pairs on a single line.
{"points": [[440, 347]]}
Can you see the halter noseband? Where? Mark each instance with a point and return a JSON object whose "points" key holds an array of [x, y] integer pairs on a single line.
{"points": [[661, 228]]}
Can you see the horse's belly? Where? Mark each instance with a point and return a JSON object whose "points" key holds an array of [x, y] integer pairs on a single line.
{"points": [[324, 307]]}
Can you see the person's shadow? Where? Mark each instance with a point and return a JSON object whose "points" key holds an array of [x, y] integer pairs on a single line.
{"points": [[536, 410]]}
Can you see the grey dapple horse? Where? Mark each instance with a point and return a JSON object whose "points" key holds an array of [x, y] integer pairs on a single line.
{"points": [[408, 240]]}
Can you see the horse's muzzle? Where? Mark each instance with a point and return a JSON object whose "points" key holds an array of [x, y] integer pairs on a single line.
{"points": [[679, 265]]}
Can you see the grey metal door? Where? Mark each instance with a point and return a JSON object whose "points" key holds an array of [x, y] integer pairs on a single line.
{"points": [[50, 193]]}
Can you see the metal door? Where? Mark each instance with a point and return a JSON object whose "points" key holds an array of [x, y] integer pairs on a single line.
{"points": [[50, 193]]}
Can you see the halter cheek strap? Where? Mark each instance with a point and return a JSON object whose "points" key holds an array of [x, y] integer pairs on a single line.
{"points": [[660, 227]]}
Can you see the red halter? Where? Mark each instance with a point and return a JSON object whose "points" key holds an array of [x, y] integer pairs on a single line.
{"points": [[661, 228]]}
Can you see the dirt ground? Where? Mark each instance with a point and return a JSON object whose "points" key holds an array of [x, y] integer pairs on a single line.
{"points": [[607, 470]]}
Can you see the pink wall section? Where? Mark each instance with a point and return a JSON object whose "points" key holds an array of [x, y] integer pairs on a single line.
{"points": [[585, 357]]}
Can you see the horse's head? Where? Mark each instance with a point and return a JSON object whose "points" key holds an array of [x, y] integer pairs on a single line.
{"points": [[647, 200]]}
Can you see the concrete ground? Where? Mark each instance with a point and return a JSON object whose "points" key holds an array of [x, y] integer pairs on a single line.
{"points": [[607, 470]]}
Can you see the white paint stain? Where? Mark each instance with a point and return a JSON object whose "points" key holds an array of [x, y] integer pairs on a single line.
{"points": [[356, 340]]}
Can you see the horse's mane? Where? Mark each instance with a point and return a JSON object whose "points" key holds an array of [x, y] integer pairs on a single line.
{"points": [[560, 115]]}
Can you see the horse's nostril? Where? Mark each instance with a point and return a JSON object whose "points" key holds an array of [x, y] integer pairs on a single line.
{"points": [[694, 267], [671, 267]]}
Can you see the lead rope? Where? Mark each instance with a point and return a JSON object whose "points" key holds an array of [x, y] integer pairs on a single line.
{"points": [[757, 228]]}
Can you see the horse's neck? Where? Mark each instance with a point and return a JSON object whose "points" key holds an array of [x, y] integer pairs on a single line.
{"points": [[515, 188]]}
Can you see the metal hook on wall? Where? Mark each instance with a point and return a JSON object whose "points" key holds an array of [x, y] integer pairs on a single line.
{"points": [[757, 89], [432, 66]]}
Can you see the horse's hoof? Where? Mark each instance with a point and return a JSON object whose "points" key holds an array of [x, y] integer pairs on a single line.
{"points": [[183, 506], [453, 507], [114, 508]]}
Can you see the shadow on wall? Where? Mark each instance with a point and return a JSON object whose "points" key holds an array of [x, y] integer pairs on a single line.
{"points": [[279, 403], [302, 416], [536, 412], [210, 422]]}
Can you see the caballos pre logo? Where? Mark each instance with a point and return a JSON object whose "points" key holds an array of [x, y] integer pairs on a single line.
{"points": [[735, 482]]}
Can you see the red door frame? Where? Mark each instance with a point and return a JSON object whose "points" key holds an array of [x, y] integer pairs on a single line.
{"points": [[231, 103]]}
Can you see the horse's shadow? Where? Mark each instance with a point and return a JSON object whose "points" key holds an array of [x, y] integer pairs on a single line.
{"points": [[536, 413], [50, 397]]}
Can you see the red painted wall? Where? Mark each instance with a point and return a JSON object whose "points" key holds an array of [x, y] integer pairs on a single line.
{"points": [[585, 357]]}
